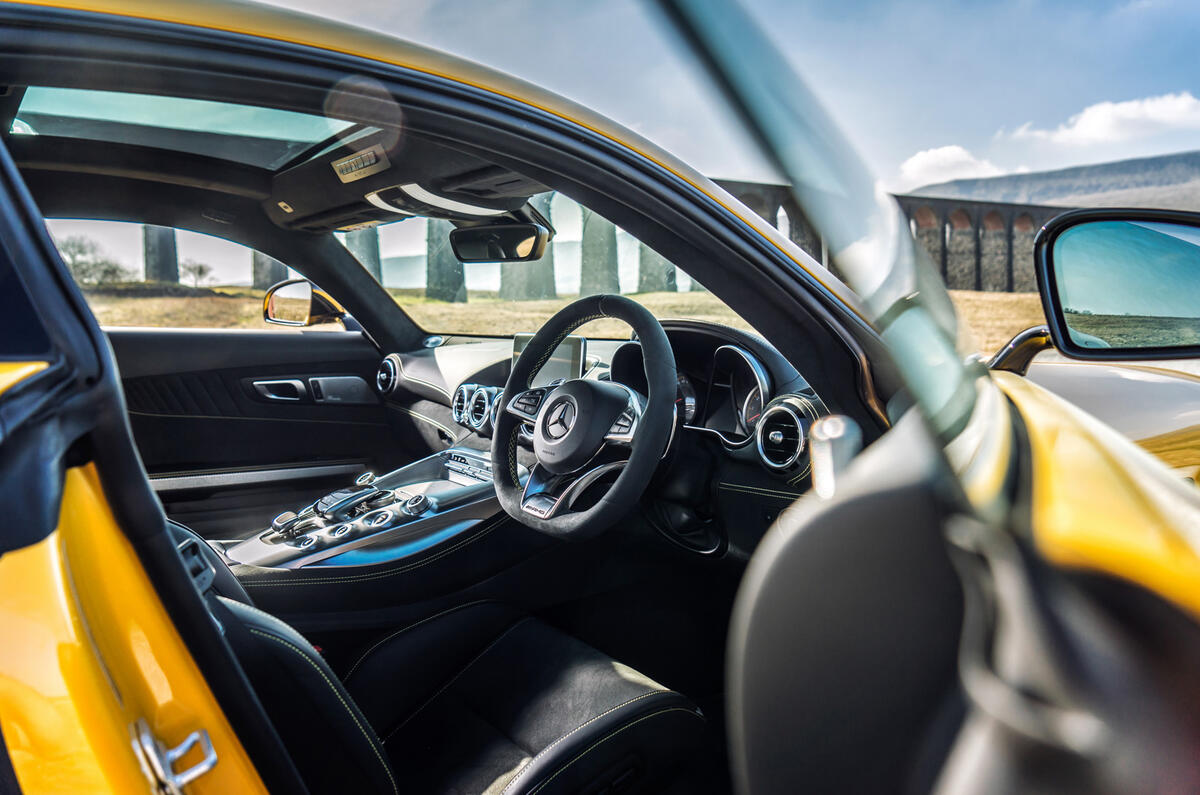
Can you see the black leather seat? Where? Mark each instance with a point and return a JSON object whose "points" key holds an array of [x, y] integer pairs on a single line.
{"points": [[477, 699]]}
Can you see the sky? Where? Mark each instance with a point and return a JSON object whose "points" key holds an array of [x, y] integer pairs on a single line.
{"points": [[926, 90]]}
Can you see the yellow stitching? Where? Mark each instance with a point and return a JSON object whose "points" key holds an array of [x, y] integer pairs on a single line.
{"points": [[594, 745], [386, 767], [408, 377], [377, 575], [525, 768], [384, 640], [512, 456], [759, 491]]}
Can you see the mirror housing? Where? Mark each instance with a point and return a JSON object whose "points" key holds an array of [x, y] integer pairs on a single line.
{"points": [[298, 302], [515, 242], [1121, 284]]}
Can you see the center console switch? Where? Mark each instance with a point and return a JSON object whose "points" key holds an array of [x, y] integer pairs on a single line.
{"points": [[418, 500]]}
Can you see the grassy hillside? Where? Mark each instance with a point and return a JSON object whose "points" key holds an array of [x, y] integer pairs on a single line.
{"points": [[1163, 181]]}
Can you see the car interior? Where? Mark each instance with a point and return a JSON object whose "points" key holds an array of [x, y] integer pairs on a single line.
{"points": [[460, 563]]}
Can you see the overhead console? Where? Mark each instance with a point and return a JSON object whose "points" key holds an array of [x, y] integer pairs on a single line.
{"points": [[375, 176]]}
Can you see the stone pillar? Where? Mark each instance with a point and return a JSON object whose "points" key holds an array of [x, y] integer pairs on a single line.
{"points": [[161, 256], [444, 276], [1023, 278], [526, 281], [932, 239], [655, 273], [944, 262], [598, 256], [993, 257], [961, 249], [266, 271], [978, 224], [364, 245], [802, 233]]}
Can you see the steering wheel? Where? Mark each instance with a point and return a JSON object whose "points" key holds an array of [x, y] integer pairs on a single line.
{"points": [[583, 430]]}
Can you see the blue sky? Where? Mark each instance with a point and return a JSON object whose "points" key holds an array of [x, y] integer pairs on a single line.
{"points": [[926, 90], [1025, 84]]}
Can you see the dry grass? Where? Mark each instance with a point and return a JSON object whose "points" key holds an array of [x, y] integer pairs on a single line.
{"points": [[993, 317]]}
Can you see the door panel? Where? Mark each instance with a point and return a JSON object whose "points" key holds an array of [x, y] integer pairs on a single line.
{"points": [[225, 454]]}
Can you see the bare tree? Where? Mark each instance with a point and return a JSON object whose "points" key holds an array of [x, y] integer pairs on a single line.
{"points": [[88, 264], [196, 271]]}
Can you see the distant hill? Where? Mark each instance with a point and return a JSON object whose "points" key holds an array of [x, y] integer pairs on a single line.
{"points": [[1166, 181]]}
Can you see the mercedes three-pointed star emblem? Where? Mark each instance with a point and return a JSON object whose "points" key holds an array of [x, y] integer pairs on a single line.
{"points": [[560, 419]]}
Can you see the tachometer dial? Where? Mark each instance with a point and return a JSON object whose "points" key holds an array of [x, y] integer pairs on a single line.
{"points": [[685, 399]]}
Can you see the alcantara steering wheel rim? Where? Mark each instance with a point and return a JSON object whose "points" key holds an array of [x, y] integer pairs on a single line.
{"points": [[572, 418]]}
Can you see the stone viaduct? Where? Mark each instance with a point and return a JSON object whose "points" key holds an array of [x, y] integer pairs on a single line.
{"points": [[974, 245]]}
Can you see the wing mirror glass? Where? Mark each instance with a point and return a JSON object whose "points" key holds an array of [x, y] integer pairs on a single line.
{"points": [[499, 242], [297, 302], [1122, 284]]}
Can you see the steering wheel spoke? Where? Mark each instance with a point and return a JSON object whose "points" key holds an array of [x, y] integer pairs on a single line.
{"points": [[527, 404], [625, 427], [547, 495]]}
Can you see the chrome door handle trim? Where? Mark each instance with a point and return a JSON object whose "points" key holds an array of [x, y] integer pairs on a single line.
{"points": [[264, 389]]}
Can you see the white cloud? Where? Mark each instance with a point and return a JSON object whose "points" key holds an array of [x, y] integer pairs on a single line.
{"points": [[942, 164], [1111, 122]]}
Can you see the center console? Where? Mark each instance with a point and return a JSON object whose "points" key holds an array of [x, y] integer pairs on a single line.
{"points": [[380, 518]]}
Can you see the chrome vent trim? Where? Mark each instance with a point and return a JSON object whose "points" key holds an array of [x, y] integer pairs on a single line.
{"points": [[480, 408], [461, 401]]}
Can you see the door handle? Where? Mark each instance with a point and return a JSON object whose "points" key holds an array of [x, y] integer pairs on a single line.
{"points": [[286, 389]]}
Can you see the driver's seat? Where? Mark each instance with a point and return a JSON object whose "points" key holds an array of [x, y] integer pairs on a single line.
{"points": [[477, 699]]}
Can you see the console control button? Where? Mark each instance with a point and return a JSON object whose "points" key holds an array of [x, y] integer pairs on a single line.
{"points": [[365, 479], [379, 518], [416, 505], [381, 498]]}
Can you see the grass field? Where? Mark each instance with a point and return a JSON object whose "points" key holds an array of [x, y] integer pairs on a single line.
{"points": [[992, 317], [1136, 331]]}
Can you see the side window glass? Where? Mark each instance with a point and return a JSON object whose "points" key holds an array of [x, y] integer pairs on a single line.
{"points": [[142, 275]]}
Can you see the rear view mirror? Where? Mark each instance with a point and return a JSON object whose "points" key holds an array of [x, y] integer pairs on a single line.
{"points": [[499, 242], [298, 303], [1122, 284]]}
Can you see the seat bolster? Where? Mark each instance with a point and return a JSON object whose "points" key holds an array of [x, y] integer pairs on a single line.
{"points": [[331, 742], [634, 735]]}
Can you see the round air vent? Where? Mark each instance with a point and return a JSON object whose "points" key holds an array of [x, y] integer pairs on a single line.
{"points": [[462, 400], [780, 437], [387, 375], [480, 410]]}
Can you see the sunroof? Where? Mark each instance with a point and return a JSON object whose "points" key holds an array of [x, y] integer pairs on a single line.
{"points": [[243, 133]]}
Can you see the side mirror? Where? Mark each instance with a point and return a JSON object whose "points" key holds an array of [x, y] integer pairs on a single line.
{"points": [[297, 302], [1121, 284], [499, 242]]}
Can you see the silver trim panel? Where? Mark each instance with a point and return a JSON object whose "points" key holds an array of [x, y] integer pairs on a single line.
{"points": [[249, 477]]}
